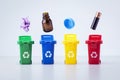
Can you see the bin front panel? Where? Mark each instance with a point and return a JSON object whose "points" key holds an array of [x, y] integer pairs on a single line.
{"points": [[94, 52], [25, 53], [70, 52], [47, 53]]}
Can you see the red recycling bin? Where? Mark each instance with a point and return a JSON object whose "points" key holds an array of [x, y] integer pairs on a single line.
{"points": [[94, 49]]}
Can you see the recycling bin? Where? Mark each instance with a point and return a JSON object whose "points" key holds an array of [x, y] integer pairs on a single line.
{"points": [[25, 49], [94, 49], [47, 42], [70, 43]]}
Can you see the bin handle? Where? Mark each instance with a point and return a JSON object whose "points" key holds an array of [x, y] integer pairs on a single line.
{"points": [[87, 42], [47, 42], [78, 42], [55, 42], [64, 42], [32, 42], [20, 42]]}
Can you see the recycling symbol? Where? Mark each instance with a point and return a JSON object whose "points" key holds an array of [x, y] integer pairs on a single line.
{"points": [[48, 54], [70, 54], [26, 55], [94, 55]]}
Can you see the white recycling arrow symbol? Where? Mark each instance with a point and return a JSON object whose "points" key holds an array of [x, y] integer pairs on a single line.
{"points": [[70, 54], [48, 54], [26, 55], [94, 55]]}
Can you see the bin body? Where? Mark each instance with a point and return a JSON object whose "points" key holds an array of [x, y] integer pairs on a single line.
{"points": [[94, 49], [70, 43], [25, 49], [47, 42]]}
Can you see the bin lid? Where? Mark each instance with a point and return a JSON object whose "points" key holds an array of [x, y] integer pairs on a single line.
{"points": [[25, 39], [47, 38], [70, 38], [95, 37]]}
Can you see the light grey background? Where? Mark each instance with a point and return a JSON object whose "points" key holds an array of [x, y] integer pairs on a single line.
{"points": [[82, 12]]}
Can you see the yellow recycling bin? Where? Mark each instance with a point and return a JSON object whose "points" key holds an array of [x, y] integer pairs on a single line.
{"points": [[70, 42]]}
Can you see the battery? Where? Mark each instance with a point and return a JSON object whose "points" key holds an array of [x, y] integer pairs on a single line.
{"points": [[96, 20]]}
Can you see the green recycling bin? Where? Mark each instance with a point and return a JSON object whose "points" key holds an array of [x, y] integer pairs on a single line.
{"points": [[25, 49]]}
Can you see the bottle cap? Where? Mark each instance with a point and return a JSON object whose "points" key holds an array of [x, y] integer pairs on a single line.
{"points": [[69, 23]]}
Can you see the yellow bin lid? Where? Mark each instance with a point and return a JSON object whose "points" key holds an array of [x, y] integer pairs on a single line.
{"points": [[70, 38]]}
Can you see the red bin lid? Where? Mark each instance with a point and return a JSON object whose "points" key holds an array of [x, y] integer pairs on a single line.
{"points": [[95, 37]]}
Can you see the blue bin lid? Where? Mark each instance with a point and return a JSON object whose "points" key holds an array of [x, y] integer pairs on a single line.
{"points": [[47, 38]]}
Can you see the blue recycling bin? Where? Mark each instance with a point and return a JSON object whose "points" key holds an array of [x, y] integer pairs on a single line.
{"points": [[47, 42]]}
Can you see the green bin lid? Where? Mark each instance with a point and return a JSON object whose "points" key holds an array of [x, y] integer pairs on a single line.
{"points": [[25, 39]]}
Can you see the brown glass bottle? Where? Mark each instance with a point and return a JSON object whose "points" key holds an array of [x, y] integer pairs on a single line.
{"points": [[47, 23]]}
